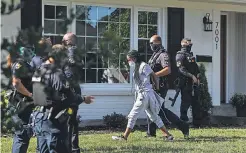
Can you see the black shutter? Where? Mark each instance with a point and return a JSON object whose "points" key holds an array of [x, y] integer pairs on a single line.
{"points": [[175, 35], [31, 14]]}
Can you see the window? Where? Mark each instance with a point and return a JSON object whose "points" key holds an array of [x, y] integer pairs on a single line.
{"points": [[91, 23], [54, 21], [147, 27]]}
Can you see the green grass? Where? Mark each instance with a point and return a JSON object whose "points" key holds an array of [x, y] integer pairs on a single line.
{"points": [[216, 140]]}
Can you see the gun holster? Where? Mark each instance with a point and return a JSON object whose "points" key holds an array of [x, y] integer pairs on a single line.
{"points": [[63, 116]]}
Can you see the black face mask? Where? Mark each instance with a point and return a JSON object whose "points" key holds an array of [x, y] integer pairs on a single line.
{"points": [[155, 47], [188, 48]]}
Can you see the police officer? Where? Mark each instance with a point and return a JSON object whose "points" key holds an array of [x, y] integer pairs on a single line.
{"points": [[53, 95], [160, 64], [41, 53], [72, 70], [21, 81], [189, 71]]}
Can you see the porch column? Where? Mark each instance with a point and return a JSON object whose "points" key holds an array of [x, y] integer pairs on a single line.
{"points": [[216, 59]]}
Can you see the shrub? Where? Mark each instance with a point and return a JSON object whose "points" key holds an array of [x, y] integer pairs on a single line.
{"points": [[238, 100], [115, 120]]}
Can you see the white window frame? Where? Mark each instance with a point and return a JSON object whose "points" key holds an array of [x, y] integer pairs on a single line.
{"points": [[117, 88], [150, 9], [55, 3], [107, 85]]}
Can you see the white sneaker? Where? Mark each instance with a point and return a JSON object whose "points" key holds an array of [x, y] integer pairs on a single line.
{"points": [[119, 138]]}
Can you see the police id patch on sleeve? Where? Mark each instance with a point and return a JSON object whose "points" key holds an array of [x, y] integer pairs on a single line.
{"points": [[178, 63], [18, 65]]}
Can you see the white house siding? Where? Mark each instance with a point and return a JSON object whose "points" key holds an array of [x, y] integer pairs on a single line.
{"points": [[10, 24], [236, 53]]}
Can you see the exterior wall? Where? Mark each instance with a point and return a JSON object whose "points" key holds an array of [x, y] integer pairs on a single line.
{"points": [[10, 24], [236, 54]]}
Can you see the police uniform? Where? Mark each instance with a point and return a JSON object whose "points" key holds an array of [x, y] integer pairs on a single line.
{"points": [[52, 95], [158, 61], [71, 71], [22, 70], [187, 68]]}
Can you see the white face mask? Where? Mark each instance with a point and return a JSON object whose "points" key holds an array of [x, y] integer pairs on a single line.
{"points": [[131, 64]]}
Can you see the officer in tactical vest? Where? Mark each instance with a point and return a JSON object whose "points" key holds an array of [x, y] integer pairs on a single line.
{"points": [[72, 71], [54, 97], [160, 64], [189, 71], [21, 99], [41, 54]]}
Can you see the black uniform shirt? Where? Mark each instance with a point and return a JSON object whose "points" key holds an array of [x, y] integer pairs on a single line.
{"points": [[22, 71], [183, 64]]}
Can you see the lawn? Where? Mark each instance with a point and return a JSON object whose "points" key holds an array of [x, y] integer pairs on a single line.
{"points": [[218, 140]]}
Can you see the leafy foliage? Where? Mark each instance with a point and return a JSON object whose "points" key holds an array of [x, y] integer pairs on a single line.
{"points": [[115, 120], [7, 124], [205, 98], [238, 100]]}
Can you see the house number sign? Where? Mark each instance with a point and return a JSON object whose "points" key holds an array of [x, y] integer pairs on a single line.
{"points": [[217, 32]]}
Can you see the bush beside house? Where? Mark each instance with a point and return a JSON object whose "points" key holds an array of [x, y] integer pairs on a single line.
{"points": [[238, 100]]}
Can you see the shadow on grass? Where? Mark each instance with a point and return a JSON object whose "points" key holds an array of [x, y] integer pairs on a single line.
{"points": [[141, 149]]}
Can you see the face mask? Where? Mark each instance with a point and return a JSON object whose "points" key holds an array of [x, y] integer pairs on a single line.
{"points": [[155, 47], [188, 48], [131, 64]]}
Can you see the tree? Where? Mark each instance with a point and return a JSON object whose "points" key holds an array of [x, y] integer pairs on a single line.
{"points": [[204, 100]]}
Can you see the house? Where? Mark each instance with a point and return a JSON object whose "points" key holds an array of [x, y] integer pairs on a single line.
{"points": [[220, 45]]}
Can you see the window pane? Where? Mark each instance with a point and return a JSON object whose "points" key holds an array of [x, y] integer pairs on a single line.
{"points": [[102, 27], [152, 18], [152, 30], [125, 30], [57, 40], [125, 45], [142, 17], [91, 28], [60, 27], [114, 27], [142, 46], [49, 12], [81, 43], [82, 76], [61, 12], [103, 13], [92, 13], [80, 12], [113, 75], [91, 76], [125, 15], [91, 44], [114, 14], [142, 31], [49, 26], [80, 28]]}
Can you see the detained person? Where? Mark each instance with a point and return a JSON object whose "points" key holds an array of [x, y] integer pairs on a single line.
{"points": [[146, 99]]}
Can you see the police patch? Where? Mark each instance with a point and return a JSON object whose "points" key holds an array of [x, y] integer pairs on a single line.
{"points": [[178, 64], [17, 66]]}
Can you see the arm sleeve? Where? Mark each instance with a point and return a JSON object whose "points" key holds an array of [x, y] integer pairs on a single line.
{"points": [[181, 67], [164, 59], [19, 70], [147, 70]]}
